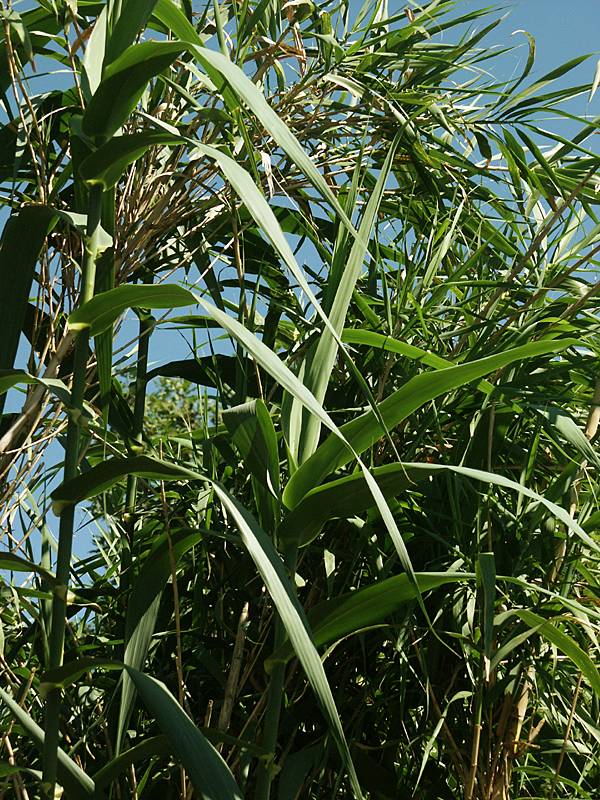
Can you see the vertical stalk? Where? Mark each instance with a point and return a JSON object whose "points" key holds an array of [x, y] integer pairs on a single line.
{"points": [[67, 517], [274, 700], [271, 724], [472, 777], [139, 408], [146, 324]]}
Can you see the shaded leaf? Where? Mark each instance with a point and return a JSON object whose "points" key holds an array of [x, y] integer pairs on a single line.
{"points": [[565, 643], [72, 777], [270, 566], [105, 165], [351, 612], [208, 773], [107, 473]]}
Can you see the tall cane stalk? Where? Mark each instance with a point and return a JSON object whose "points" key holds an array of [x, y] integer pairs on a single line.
{"points": [[67, 517], [275, 691]]}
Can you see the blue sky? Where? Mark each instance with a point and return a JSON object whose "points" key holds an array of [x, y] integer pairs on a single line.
{"points": [[562, 31]]}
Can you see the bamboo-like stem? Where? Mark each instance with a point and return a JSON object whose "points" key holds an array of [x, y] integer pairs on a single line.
{"points": [[139, 409], [67, 518], [563, 749], [472, 777], [274, 700], [271, 723], [231, 686]]}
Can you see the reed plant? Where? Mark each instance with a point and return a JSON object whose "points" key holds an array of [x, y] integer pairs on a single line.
{"points": [[344, 543]]}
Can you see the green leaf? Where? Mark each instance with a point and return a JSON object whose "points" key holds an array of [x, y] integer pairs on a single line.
{"points": [[288, 381], [107, 473], [173, 18], [365, 430], [105, 166], [345, 497], [348, 613], [123, 84], [560, 420], [262, 213], [22, 239], [253, 434], [10, 378], [79, 223], [94, 55], [14, 563], [143, 606], [272, 571], [320, 362], [500, 480], [17, 33], [10, 769], [160, 746], [153, 746], [125, 25], [78, 785], [381, 342], [208, 773], [217, 370], [99, 313], [68, 674], [552, 633], [221, 69]]}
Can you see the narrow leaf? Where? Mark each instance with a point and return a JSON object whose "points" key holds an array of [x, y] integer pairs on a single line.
{"points": [[22, 239], [270, 566], [72, 777], [365, 430], [99, 313], [208, 773], [123, 84], [105, 166], [333, 619], [132, 17], [566, 644], [107, 473], [142, 609]]}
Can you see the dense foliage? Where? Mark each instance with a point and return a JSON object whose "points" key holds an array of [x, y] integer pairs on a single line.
{"points": [[348, 545]]}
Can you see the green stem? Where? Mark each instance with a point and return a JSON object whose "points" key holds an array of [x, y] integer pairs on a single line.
{"points": [[274, 699], [145, 328], [67, 518]]}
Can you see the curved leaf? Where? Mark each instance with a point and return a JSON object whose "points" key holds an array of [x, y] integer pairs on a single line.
{"points": [[22, 239], [143, 606], [270, 566], [220, 69], [107, 473], [350, 612], [105, 166], [567, 645], [71, 776], [99, 313], [345, 497], [362, 432], [208, 773], [10, 378], [123, 84]]}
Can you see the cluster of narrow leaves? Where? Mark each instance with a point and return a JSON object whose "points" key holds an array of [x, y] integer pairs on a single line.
{"points": [[348, 546]]}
